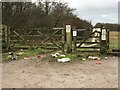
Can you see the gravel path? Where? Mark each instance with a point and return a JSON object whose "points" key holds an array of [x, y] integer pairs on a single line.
{"points": [[42, 74]]}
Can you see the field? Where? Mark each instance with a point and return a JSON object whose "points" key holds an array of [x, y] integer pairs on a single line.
{"points": [[114, 40]]}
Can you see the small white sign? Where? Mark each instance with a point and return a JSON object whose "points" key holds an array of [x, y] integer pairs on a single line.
{"points": [[103, 31], [74, 33], [103, 37], [68, 28]]}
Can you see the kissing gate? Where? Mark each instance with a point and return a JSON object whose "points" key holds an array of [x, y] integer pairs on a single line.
{"points": [[72, 42]]}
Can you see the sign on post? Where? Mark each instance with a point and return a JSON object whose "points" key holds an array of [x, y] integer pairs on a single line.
{"points": [[103, 45], [74, 33], [68, 28], [74, 40], [68, 39], [103, 36]]}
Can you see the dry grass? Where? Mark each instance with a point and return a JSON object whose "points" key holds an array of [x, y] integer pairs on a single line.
{"points": [[113, 37]]}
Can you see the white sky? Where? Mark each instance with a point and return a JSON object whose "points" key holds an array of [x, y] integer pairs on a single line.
{"points": [[105, 11]]}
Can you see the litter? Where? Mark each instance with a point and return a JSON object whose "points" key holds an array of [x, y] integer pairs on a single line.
{"points": [[62, 55], [39, 56], [55, 55], [98, 63], [27, 58], [12, 56], [83, 59], [15, 57], [64, 60], [106, 58], [21, 53], [93, 58]]}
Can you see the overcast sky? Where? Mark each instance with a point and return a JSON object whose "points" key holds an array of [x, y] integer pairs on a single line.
{"points": [[105, 11]]}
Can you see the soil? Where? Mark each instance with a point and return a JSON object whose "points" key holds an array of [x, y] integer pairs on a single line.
{"points": [[37, 73]]}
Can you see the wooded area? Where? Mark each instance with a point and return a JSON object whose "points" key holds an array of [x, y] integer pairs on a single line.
{"points": [[26, 15]]}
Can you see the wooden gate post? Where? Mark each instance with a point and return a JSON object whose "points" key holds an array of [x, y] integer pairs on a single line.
{"points": [[63, 40], [108, 42], [8, 37], [74, 40], [68, 39], [6, 34], [103, 41]]}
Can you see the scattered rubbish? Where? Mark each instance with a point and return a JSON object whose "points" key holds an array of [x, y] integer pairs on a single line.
{"points": [[15, 57], [64, 60], [27, 58], [62, 55], [21, 50], [54, 55], [10, 53], [57, 54], [105, 58], [93, 58], [39, 56], [21, 53], [98, 63], [9, 56], [12, 56], [83, 59]]}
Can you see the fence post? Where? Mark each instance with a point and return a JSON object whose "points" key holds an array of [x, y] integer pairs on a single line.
{"points": [[8, 37], [63, 40], [74, 41], [108, 42], [68, 39], [103, 41]]}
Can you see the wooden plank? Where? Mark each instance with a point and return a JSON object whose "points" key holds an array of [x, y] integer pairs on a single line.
{"points": [[86, 39], [49, 37], [19, 35], [89, 42], [58, 28], [88, 50], [55, 44], [90, 47]]}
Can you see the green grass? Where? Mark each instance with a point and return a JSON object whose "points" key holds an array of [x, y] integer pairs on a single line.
{"points": [[36, 51], [27, 53], [73, 57]]}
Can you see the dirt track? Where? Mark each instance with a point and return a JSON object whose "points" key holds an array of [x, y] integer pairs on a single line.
{"points": [[43, 74]]}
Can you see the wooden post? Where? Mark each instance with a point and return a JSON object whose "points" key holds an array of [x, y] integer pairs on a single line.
{"points": [[63, 40], [8, 37], [74, 41], [108, 43], [103, 41], [68, 39]]}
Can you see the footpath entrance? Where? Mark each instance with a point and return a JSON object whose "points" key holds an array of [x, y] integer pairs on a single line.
{"points": [[93, 41]]}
